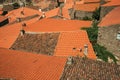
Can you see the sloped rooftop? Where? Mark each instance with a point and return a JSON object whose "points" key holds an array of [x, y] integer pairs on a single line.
{"points": [[112, 3], [8, 35], [74, 39], [22, 13], [111, 18], [51, 13], [10, 32], [2, 18], [86, 69], [87, 7], [55, 25], [38, 43], [28, 66]]}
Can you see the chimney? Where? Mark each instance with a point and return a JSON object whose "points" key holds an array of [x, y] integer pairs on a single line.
{"points": [[85, 49], [24, 25], [64, 1], [60, 11], [43, 15], [18, 19], [70, 60], [22, 32], [40, 10]]}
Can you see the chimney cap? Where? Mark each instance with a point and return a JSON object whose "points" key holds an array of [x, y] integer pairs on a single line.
{"points": [[24, 24]]}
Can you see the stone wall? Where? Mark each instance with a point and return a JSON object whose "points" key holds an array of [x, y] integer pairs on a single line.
{"points": [[82, 14], [71, 13], [105, 10], [107, 37]]}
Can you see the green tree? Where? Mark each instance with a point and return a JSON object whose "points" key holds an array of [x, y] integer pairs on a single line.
{"points": [[101, 51], [96, 14]]}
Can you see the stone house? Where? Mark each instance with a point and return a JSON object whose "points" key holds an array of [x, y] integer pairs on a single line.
{"points": [[106, 8], [109, 32], [84, 10]]}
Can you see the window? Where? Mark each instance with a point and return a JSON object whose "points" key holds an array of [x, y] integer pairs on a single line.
{"points": [[118, 36]]}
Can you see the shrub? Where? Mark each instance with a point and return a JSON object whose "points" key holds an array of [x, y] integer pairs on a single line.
{"points": [[96, 14], [16, 5], [101, 51]]}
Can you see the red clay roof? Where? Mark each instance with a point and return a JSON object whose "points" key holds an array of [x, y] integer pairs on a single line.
{"points": [[2, 18], [26, 66], [75, 39], [8, 35], [65, 13], [17, 13], [111, 18], [51, 13], [113, 3], [86, 7], [55, 25]]}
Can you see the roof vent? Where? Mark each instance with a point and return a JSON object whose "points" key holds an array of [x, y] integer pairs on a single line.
{"points": [[70, 60], [85, 49]]}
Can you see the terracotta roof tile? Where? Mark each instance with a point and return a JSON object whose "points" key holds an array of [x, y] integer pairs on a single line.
{"points": [[86, 7], [111, 18], [51, 13], [26, 66], [55, 25], [8, 35], [76, 39], [65, 13], [2, 18], [112, 3], [17, 13]]}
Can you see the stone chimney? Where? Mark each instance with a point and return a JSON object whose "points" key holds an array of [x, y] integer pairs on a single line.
{"points": [[70, 60], [85, 49], [22, 32]]}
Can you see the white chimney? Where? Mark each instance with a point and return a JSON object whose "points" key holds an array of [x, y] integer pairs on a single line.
{"points": [[85, 49], [65, 1], [43, 15], [40, 10], [70, 60]]}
